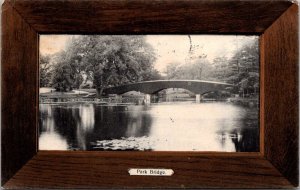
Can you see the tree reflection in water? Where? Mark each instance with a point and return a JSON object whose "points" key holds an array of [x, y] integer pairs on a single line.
{"points": [[86, 124], [80, 125], [49, 138], [200, 127]]}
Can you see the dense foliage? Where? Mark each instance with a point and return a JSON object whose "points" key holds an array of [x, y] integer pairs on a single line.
{"points": [[111, 60], [45, 70], [104, 60], [242, 69]]}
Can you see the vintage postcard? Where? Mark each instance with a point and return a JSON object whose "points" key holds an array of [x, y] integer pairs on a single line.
{"points": [[149, 93]]}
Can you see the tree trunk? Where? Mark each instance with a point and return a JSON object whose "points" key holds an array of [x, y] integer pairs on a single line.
{"points": [[99, 91]]}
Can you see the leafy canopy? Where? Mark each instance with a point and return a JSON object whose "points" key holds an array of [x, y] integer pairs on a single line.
{"points": [[108, 60]]}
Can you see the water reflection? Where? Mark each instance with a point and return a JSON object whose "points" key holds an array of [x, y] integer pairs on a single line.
{"points": [[163, 126], [50, 139], [85, 125], [136, 120]]}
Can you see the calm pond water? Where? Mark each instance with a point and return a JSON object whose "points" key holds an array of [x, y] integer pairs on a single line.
{"points": [[180, 126]]}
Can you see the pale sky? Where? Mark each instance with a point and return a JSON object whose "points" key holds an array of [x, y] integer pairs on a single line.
{"points": [[169, 48]]}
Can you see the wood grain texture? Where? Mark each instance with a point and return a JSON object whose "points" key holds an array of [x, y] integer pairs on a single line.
{"points": [[261, 95], [155, 16], [275, 166], [18, 82], [281, 94], [110, 170]]}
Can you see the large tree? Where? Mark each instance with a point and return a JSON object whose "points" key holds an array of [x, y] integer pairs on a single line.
{"points": [[246, 62], [199, 70], [66, 73], [172, 70], [45, 70], [63, 76], [110, 60], [242, 69]]}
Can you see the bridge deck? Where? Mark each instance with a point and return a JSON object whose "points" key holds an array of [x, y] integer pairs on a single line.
{"points": [[202, 81], [151, 87]]}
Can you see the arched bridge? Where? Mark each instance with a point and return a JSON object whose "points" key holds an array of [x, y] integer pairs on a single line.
{"points": [[152, 87]]}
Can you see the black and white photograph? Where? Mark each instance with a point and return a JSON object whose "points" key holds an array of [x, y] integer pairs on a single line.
{"points": [[149, 93]]}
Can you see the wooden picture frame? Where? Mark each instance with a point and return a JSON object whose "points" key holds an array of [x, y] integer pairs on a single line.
{"points": [[276, 165]]}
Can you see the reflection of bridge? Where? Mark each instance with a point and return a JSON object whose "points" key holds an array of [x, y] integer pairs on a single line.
{"points": [[153, 87]]}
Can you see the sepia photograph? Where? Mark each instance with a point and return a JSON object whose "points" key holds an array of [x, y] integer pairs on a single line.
{"points": [[149, 93]]}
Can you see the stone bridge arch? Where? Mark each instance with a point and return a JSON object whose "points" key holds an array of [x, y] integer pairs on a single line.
{"points": [[152, 87]]}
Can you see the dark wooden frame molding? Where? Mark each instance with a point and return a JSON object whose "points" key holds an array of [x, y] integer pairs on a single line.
{"points": [[276, 165]]}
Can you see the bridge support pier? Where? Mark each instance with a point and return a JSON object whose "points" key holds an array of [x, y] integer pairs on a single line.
{"points": [[147, 99], [198, 98], [119, 98]]}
